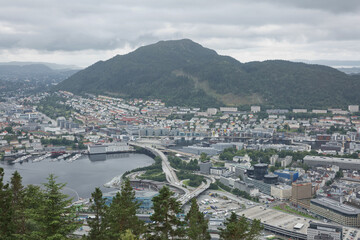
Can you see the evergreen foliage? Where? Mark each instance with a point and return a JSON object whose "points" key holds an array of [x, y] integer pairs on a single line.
{"points": [[240, 229], [166, 224], [98, 225], [6, 226], [53, 217], [121, 215], [197, 225], [17, 204]]}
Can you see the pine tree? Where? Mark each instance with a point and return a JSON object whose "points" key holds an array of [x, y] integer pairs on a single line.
{"points": [[197, 225], [6, 226], [240, 229], [122, 212], [54, 218], [166, 223], [98, 225], [33, 200], [17, 204], [128, 235]]}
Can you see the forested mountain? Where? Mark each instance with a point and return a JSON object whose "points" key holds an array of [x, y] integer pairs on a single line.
{"points": [[183, 72]]}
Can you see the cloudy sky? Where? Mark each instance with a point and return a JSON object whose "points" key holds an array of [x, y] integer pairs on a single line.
{"points": [[82, 32]]}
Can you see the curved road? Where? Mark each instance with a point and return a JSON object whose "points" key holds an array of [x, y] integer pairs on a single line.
{"points": [[173, 179]]}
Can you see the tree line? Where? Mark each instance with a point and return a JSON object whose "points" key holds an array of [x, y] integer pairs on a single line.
{"points": [[44, 212]]}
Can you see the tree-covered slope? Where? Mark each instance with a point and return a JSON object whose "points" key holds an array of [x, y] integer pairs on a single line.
{"points": [[185, 73]]}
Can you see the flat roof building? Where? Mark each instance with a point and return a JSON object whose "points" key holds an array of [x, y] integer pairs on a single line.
{"points": [[321, 231], [344, 163], [301, 194], [336, 211]]}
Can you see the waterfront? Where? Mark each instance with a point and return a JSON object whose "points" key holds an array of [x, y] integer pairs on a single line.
{"points": [[82, 175]]}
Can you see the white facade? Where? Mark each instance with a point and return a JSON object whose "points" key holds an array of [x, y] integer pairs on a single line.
{"points": [[255, 109], [299, 110], [212, 111], [281, 192], [228, 109], [318, 111], [353, 108]]}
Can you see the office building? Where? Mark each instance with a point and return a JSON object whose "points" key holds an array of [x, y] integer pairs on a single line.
{"points": [[287, 174], [321, 231], [336, 211], [301, 194]]}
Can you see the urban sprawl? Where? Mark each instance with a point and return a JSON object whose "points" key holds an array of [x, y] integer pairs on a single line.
{"points": [[296, 170]]}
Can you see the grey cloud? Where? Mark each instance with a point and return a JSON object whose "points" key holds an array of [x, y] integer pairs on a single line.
{"points": [[234, 24]]}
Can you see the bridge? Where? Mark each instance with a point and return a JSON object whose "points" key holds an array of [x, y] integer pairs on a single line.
{"points": [[172, 178]]}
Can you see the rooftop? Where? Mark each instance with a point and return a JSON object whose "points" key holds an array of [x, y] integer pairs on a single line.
{"points": [[332, 159], [336, 206]]}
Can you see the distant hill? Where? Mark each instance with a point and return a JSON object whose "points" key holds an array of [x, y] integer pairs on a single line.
{"points": [[53, 66], [183, 72], [33, 72], [351, 70]]}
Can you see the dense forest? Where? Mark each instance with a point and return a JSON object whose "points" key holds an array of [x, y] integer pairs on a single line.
{"points": [[184, 73], [44, 212]]}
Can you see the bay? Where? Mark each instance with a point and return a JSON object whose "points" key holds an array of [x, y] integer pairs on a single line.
{"points": [[81, 176]]}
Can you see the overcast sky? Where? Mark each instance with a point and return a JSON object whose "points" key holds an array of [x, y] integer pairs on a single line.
{"points": [[82, 32]]}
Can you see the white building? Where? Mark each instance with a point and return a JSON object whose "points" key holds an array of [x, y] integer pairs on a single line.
{"points": [[255, 109], [299, 110], [353, 108], [228, 109], [282, 192], [212, 111]]}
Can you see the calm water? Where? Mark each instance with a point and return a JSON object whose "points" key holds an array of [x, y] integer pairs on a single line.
{"points": [[82, 175]]}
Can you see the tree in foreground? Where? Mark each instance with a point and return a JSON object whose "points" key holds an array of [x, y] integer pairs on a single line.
{"points": [[240, 228], [122, 213], [166, 224], [98, 225], [128, 235], [197, 225], [53, 217], [17, 204], [6, 226]]}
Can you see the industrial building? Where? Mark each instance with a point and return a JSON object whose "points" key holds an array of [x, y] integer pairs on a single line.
{"points": [[336, 212]]}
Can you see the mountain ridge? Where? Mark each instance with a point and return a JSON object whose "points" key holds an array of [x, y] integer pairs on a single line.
{"points": [[182, 72]]}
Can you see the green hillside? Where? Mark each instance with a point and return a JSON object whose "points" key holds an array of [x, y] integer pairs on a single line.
{"points": [[182, 72]]}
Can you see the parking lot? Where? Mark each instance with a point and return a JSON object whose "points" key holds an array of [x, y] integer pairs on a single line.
{"points": [[219, 205]]}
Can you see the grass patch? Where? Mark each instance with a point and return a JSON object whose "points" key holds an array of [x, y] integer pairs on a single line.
{"points": [[288, 209], [154, 174], [193, 179], [186, 182]]}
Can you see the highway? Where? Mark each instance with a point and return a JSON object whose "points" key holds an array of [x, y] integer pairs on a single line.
{"points": [[172, 178]]}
